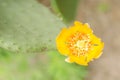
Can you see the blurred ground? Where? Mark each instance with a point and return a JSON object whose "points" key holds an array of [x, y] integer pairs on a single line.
{"points": [[104, 18]]}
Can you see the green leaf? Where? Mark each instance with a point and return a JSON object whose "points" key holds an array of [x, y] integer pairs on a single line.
{"points": [[26, 25], [65, 8]]}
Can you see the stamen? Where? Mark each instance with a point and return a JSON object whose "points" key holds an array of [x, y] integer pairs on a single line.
{"points": [[79, 44]]}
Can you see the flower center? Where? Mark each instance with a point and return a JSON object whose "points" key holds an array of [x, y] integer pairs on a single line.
{"points": [[79, 44], [82, 44]]}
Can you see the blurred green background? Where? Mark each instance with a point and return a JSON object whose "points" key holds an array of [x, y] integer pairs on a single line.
{"points": [[27, 40]]}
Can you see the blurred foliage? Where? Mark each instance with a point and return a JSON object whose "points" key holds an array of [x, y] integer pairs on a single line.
{"points": [[60, 70], [103, 7], [21, 67], [49, 66], [27, 44], [67, 9]]}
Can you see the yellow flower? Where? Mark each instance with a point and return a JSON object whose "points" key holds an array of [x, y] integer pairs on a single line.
{"points": [[79, 44]]}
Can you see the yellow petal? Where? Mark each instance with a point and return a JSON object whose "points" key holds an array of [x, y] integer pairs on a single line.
{"points": [[60, 42], [97, 48], [79, 60], [79, 27]]}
